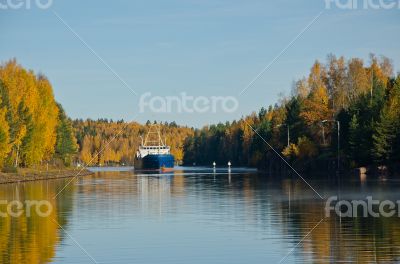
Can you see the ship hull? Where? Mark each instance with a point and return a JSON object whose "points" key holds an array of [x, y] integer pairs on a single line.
{"points": [[155, 162]]}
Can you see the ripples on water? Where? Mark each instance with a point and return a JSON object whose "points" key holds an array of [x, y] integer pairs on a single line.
{"points": [[196, 216]]}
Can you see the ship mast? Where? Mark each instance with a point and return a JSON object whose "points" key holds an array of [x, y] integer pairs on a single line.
{"points": [[153, 137]]}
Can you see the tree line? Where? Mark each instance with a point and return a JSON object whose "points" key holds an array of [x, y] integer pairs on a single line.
{"points": [[107, 142], [33, 126], [361, 102], [35, 130]]}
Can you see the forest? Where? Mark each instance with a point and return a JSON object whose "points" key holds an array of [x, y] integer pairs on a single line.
{"points": [[36, 131], [361, 102], [344, 111], [106, 142]]}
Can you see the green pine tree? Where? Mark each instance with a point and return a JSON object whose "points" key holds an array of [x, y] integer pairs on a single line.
{"points": [[383, 137], [66, 145], [354, 138], [386, 132]]}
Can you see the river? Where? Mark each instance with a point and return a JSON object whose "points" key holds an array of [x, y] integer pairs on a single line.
{"points": [[196, 216]]}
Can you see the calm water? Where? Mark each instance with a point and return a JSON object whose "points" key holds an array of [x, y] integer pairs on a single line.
{"points": [[196, 216]]}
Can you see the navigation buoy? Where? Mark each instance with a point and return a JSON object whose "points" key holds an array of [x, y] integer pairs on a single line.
{"points": [[229, 171], [214, 164]]}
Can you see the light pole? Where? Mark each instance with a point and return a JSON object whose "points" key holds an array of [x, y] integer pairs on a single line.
{"points": [[288, 133], [338, 139]]}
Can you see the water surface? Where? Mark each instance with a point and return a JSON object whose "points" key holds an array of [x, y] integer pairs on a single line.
{"points": [[197, 216]]}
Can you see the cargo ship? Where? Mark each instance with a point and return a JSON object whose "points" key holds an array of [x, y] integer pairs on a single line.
{"points": [[153, 153]]}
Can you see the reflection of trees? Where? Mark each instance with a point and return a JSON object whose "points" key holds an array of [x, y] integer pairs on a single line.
{"points": [[266, 205], [262, 202], [33, 239], [362, 240], [251, 202], [335, 240]]}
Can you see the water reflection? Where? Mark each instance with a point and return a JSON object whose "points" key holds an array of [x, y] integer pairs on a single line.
{"points": [[31, 238], [199, 216]]}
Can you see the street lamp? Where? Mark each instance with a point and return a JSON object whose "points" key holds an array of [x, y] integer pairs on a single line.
{"points": [[288, 133], [338, 138]]}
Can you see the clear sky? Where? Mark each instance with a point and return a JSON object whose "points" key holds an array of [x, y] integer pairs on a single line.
{"points": [[200, 47]]}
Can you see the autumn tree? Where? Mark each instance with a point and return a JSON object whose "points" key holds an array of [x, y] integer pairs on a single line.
{"points": [[336, 82], [4, 131], [315, 107], [31, 114]]}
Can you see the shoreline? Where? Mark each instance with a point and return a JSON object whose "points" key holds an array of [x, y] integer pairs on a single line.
{"points": [[7, 178]]}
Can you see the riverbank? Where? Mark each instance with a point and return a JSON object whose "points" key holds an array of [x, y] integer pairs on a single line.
{"points": [[26, 175]]}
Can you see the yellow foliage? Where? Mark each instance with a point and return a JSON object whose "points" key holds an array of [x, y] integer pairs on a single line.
{"points": [[117, 142], [291, 151], [306, 148], [316, 105], [33, 111], [4, 136]]}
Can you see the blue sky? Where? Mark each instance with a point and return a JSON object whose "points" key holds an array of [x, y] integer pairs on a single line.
{"points": [[200, 47]]}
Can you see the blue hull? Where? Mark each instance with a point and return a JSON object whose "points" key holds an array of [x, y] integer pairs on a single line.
{"points": [[158, 161]]}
